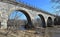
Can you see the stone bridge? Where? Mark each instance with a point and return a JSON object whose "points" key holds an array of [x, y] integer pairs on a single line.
{"points": [[8, 6]]}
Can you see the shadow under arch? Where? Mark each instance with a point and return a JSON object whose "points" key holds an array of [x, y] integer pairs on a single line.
{"points": [[49, 22], [43, 24], [29, 24], [55, 21]]}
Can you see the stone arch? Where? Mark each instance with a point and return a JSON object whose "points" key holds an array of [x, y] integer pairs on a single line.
{"points": [[49, 22], [29, 24], [43, 24]]}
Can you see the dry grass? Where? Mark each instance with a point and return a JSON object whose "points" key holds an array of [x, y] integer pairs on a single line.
{"points": [[19, 33]]}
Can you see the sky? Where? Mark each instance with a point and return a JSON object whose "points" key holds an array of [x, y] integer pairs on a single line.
{"points": [[45, 5], [17, 15]]}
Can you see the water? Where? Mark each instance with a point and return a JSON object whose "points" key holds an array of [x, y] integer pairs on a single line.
{"points": [[22, 28], [53, 32]]}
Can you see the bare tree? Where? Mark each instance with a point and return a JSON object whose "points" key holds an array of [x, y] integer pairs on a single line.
{"points": [[56, 6]]}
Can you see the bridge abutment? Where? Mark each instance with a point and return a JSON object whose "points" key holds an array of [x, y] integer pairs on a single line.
{"points": [[4, 18], [4, 24]]}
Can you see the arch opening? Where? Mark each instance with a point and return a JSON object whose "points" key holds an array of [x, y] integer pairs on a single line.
{"points": [[20, 18], [55, 21], [42, 21], [37, 22], [49, 22]]}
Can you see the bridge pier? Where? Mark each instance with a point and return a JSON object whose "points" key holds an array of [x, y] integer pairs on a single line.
{"points": [[4, 18], [52, 22], [4, 21]]}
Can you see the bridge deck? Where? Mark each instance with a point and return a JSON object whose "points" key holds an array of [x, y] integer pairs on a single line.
{"points": [[26, 6]]}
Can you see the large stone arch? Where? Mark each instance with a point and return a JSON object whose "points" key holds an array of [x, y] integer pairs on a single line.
{"points": [[43, 24], [28, 16], [49, 22]]}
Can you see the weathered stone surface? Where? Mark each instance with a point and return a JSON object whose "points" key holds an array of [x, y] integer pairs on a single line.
{"points": [[8, 6]]}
